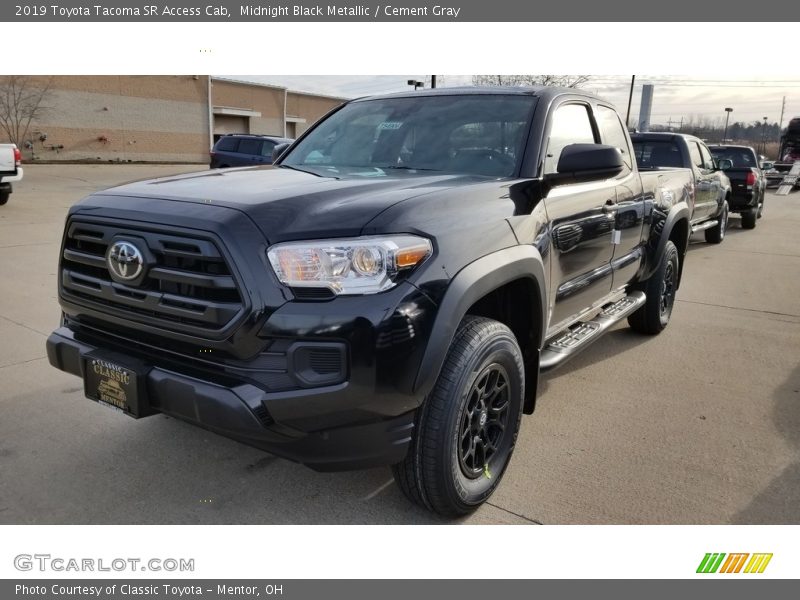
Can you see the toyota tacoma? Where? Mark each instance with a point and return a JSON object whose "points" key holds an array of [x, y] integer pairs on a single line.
{"points": [[388, 292]]}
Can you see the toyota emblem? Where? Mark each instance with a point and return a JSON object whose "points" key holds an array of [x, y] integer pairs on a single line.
{"points": [[125, 261]]}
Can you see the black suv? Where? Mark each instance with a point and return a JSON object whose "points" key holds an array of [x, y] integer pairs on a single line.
{"points": [[386, 294], [244, 150]]}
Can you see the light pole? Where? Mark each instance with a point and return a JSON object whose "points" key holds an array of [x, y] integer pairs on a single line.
{"points": [[764, 136], [728, 112]]}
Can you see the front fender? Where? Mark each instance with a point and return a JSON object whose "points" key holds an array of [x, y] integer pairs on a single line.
{"points": [[472, 283]]}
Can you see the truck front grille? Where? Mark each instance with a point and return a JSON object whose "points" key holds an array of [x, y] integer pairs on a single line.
{"points": [[186, 285]]}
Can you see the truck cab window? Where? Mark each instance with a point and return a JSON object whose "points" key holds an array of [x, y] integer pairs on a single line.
{"points": [[694, 154], [708, 161], [571, 124], [612, 132]]}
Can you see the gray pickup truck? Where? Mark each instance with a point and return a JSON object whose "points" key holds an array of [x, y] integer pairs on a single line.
{"points": [[10, 169], [711, 190]]}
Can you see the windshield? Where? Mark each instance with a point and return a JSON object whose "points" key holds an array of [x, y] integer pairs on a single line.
{"points": [[476, 135], [740, 157]]}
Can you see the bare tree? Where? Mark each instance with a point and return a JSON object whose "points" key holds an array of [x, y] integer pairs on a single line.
{"points": [[22, 101], [570, 81]]}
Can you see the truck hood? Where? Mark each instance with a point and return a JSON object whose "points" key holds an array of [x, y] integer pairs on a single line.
{"points": [[287, 204]]}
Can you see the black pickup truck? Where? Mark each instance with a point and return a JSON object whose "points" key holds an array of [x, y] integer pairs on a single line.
{"points": [[659, 151], [748, 182], [388, 292]]}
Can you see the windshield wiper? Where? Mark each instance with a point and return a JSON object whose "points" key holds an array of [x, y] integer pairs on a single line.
{"points": [[293, 168], [405, 168]]}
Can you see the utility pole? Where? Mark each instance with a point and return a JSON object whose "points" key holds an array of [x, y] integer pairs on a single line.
{"points": [[630, 99], [433, 81], [780, 124], [728, 112]]}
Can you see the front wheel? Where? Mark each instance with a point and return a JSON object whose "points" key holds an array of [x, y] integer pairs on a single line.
{"points": [[660, 291], [466, 429], [761, 206]]}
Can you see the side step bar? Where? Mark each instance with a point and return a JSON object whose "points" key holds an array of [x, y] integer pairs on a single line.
{"points": [[568, 343], [704, 225]]}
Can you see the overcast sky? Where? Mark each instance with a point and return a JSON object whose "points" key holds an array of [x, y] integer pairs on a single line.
{"points": [[751, 97]]}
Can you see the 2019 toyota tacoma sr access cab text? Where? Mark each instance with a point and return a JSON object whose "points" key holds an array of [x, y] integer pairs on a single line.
{"points": [[10, 170], [387, 293], [711, 187]]}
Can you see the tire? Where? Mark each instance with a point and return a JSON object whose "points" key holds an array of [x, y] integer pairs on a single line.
{"points": [[464, 436], [761, 206], [653, 316], [749, 218], [4, 196], [716, 234]]}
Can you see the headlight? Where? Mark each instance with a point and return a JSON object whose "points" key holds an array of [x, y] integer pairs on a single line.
{"points": [[365, 265]]}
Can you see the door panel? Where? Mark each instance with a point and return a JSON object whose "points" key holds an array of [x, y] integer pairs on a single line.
{"points": [[582, 220], [629, 208], [705, 204], [628, 223]]}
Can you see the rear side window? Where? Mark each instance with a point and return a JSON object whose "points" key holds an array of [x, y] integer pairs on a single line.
{"points": [[571, 125], [708, 162], [266, 150], [654, 154], [227, 144], [612, 133], [250, 146], [694, 154]]}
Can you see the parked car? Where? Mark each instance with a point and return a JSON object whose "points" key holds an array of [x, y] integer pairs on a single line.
{"points": [[386, 294], [748, 182], [244, 150], [10, 170], [711, 187]]}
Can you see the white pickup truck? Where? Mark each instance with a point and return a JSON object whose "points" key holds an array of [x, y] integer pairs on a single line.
{"points": [[10, 169]]}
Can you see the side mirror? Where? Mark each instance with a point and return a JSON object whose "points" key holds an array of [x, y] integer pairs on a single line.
{"points": [[723, 164], [586, 162], [278, 150], [767, 165]]}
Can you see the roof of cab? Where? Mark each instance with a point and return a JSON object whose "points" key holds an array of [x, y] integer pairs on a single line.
{"points": [[542, 91]]}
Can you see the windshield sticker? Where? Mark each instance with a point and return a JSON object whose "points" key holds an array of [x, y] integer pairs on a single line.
{"points": [[390, 125]]}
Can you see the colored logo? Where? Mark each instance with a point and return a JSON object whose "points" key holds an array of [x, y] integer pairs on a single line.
{"points": [[742, 562]]}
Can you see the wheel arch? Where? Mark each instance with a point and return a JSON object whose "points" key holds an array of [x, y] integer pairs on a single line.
{"points": [[508, 286], [675, 228]]}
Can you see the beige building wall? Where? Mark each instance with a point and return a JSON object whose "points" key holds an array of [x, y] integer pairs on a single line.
{"points": [[266, 100], [157, 118], [123, 118]]}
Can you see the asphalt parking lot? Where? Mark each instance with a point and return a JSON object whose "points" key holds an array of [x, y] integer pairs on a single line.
{"points": [[700, 424]]}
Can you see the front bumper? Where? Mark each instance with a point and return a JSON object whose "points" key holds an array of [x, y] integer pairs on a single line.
{"points": [[238, 411]]}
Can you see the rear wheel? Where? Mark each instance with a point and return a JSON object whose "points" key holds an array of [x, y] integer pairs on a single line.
{"points": [[466, 429], [749, 218], [660, 290], [716, 234], [4, 196]]}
